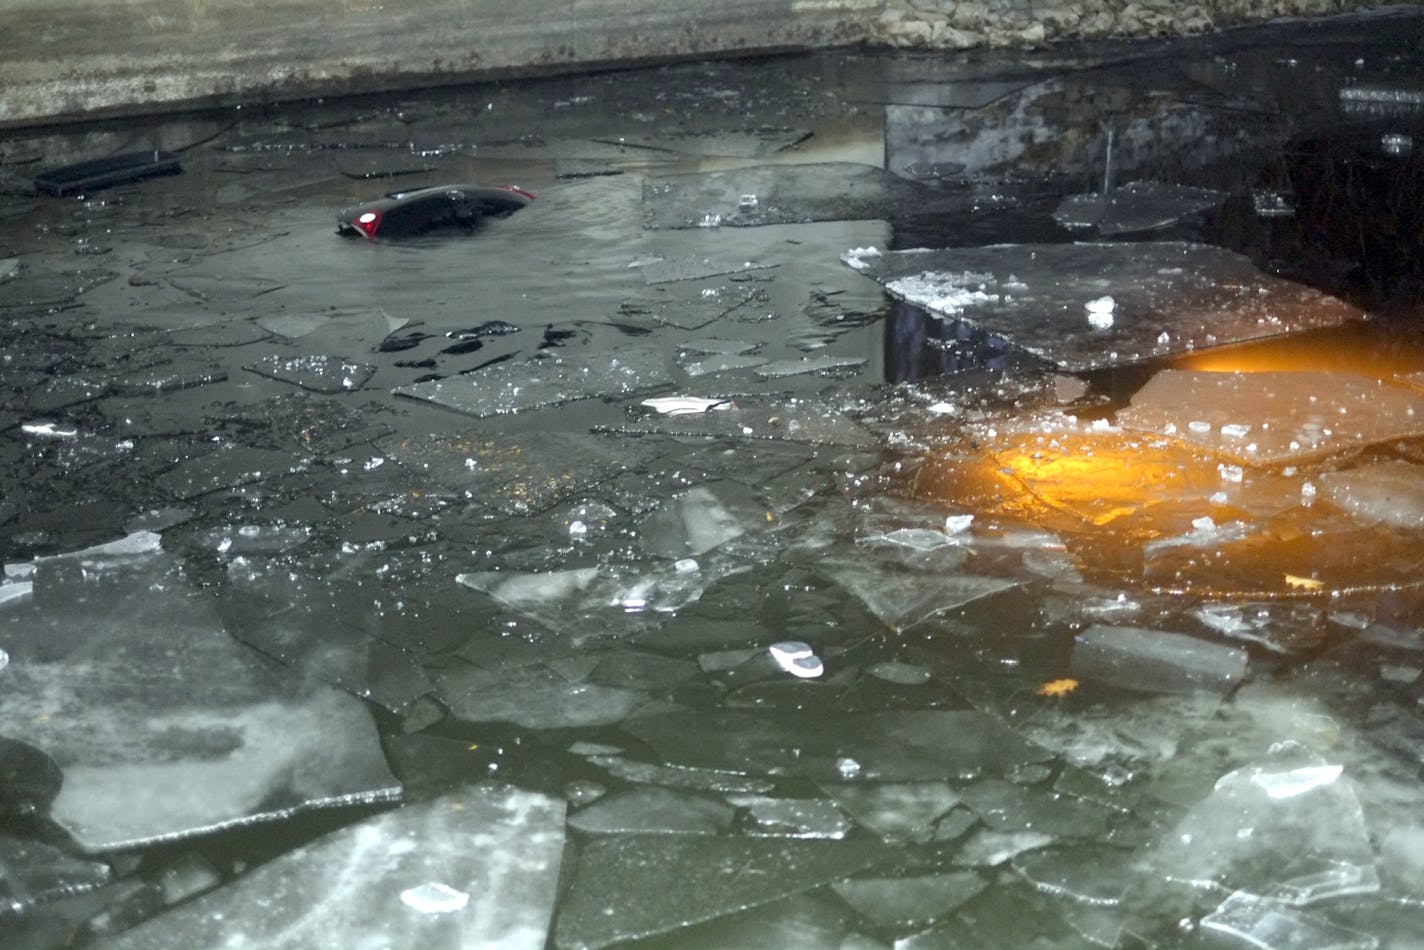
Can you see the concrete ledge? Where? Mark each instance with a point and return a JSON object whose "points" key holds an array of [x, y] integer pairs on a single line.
{"points": [[73, 59], [84, 59]]}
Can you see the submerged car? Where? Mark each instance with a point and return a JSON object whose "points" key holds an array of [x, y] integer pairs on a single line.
{"points": [[405, 213]]}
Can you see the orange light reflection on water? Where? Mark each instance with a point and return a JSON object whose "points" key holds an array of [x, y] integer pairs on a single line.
{"points": [[1364, 348]]}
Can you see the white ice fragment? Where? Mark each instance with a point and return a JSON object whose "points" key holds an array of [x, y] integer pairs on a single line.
{"points": [[847, 767], [747, 202], [855, 257], [686, 405], [687, 565], [15, 590], [797, 658], [1203, 523], [4, 659], [1164, 339], [1307, 494], [941, 408], [1235, 430], [434, 898], [710, 220], [1199, 427], [577, 529], [957, 524], [49, 430], [1231, 473], [1295, 782], [1219, 498], [1100, 312]]}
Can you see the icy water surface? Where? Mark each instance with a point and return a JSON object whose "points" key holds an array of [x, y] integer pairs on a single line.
{"points": [[863, 501]]}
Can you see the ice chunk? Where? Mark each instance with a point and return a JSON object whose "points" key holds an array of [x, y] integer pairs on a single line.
{"points": [[1296, 416], [898, 812], [902, 902], [1269, 925], [653, 811], [903, 596], [1390, 493], [1156, 661], [550, 380], [778, 194], [792, 817], [1100, 312], [758, 418], [1033, 295], [1097, 875], [319, 373], [702, 518], [175, 735], [476, 868], [987, 849], [686, 405], [682, 881], [1136, 206], [694, 268], [1290, 829], [230, 466], [535, 697]]}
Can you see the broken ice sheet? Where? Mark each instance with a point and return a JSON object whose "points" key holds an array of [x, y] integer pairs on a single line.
{"points": [[1305, 837], [534, 697], [1135, 206], [897, 812], [1274, 417], [690, 307], [549, 380], [294, 614], [702, 518], [685, 880], [906, 589], [1156, 661], [1389, 493], [1261, 922], [777, 369], [1171, 297], [228, 466], [176, 735], [319, 373], [477, 868], [516, 474], [784, 194], [907, 746], [768, 817]]}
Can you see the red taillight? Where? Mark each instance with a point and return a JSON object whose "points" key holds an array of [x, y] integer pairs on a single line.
{"points": [[368, 222], [519, 191]]}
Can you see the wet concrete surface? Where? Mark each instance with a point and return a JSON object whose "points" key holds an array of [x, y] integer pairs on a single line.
{"points": [[688, 558]]}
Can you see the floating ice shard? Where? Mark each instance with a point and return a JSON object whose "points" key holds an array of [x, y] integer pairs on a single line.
{"points": [[686, 405], [535, 697], [170, 736], [548, 381], [795, 420], [903, 595], [478, 868], [230, 466], [694, 268], [776, 369], [792, 817], [1033, 295], [320, 373], [702, 518], [1296, 416], [1156, 661], [897, 812], [1390, 493]]}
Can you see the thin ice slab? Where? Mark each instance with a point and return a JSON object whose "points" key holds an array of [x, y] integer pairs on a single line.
{"points": [[478, 868], [549, 381], [1274, 417], [781, 420], [320, 373], [1136, 206], [685, 880], [1148, 300], [161, 737], [1390, 493]]}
